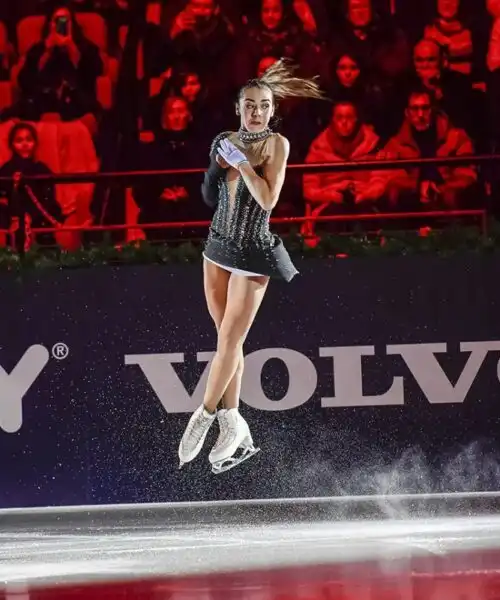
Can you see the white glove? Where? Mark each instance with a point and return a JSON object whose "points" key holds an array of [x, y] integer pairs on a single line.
{"points": [[232, 155]]}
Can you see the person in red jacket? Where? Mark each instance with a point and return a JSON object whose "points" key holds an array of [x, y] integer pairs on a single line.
{"points": [[428, 133], [346, 139]]}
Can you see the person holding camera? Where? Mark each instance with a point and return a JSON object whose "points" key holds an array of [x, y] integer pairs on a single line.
{"points": [[59, 73], [201, 34]]}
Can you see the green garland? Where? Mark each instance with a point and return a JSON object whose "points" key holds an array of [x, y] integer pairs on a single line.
{"points": [[443, 242]]}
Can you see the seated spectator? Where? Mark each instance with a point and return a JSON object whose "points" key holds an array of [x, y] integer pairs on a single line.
{"points": [[115, 13], [452, 36], [427, 133], [275, 31], [199, 34], [313, 14], [59, 74], [382, 46], [171, 146], [38, 199], [349, 79], [202, 96], [346, 139], [452, 90]]}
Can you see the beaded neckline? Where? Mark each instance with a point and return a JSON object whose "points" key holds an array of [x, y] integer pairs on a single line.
{"points": [[250, 136]]}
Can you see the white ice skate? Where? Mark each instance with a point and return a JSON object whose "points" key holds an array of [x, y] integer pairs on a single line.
{"points": [[194, 436], [234, 444]]}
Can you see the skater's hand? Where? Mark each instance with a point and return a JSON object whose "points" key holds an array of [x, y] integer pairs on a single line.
{"points": [[232, 155]]}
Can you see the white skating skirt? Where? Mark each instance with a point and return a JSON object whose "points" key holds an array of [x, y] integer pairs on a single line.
{"points": [[232, 269]]}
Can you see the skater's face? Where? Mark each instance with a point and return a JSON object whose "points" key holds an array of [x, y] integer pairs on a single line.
{"points": [[345, 120], [347, 71], [24, 143], [176, 114], [255, 107]]}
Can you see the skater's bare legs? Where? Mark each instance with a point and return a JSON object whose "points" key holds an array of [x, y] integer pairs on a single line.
{"points": [[216, 282], [231, 397], [243, 299]]}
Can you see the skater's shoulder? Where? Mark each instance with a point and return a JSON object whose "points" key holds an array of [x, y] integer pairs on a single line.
{"points": [[278, 147], [280, 142]]}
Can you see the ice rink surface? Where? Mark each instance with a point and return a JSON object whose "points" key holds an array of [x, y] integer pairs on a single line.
{"points": [[307, 549]]}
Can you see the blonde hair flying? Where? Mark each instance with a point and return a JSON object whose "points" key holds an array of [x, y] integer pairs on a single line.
{"points": [[280, 79]]}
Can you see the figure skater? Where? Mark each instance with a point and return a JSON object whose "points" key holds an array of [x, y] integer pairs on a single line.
{"points": [[242, 184]]}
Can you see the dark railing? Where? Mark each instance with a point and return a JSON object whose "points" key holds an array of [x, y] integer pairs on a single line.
{"points": [[375, 165], [130, 177], [481, 214]]}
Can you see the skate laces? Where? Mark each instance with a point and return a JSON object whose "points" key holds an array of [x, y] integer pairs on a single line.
{"points": [[198, 427], [229, 427], [222, 431]]}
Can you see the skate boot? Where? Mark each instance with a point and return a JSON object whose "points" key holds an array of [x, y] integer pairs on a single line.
{"points": [[221, 419], [194, 436], [234, 444]]}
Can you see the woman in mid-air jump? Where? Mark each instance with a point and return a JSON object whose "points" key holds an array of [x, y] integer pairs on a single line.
{"points": [[242, 184]]}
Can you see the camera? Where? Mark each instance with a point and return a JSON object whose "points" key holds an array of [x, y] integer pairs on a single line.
{"points": [[62, 26]]}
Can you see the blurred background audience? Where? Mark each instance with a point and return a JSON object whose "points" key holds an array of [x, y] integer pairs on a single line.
{"points": [[119, 85]]}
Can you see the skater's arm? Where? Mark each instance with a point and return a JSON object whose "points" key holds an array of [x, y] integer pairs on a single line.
{"points": [[216, 171], [266, 190], [210, 185]]}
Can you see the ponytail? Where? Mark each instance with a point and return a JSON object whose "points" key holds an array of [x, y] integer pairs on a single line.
{"points": [[280, 79]]}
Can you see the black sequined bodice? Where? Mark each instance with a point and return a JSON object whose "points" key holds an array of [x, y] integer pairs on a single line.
{"points": [[240, 218], [239, 237]]}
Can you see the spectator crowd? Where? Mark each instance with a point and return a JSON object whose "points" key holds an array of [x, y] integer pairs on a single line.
{"points": [[89, 85]]}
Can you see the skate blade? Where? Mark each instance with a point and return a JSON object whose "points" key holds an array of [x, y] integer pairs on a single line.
{"points": [[230, 463]]}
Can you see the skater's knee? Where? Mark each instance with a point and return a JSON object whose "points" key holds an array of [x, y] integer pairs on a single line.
{"points": [[230, 343]]}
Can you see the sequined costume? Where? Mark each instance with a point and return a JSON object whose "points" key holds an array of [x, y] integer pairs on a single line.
{"points": [[239, 238]]}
